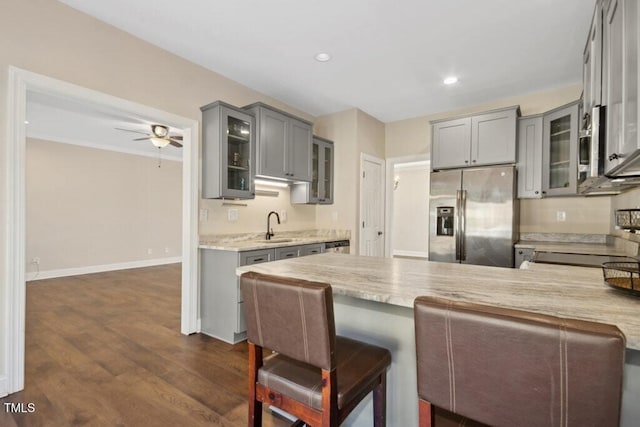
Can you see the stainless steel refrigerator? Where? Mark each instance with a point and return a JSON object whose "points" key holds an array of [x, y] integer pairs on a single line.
{"points": [[473, 216]]}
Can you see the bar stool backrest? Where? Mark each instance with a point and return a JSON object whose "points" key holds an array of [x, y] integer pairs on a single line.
{"points": [[507, 367], [291, 316]]}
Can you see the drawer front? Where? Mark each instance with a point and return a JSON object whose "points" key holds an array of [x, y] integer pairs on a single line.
{"points": [[256, 257], [287, 252], [312, 249]]}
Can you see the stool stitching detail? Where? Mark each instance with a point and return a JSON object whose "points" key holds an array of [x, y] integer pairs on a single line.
{"points": [[303, 321], [452, 373]]}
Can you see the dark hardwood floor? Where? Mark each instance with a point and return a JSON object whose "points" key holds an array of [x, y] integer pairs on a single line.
{"points": [[106, 350]]}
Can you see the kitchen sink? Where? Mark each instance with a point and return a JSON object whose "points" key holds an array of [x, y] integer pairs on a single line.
{"points": [[283, 240]]}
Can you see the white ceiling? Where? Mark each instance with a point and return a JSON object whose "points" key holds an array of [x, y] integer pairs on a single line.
{"points": [[389, 57], [64, 120]]}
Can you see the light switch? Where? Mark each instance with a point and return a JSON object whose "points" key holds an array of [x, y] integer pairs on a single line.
{"points": [[233, 214]]}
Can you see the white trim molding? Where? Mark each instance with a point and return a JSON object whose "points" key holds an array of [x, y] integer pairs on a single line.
{"points": [[4, 389], [13, 306], [76, 271]]}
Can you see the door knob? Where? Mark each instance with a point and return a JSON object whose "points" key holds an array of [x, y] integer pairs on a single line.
{"points": [[379, 233]]}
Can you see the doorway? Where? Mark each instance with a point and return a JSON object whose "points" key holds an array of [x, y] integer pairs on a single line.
{"points": [[407, 207], [21, 82]]}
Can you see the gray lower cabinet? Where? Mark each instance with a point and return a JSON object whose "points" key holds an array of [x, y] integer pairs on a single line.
{"points": [[522, 255], [479, 140], [283, 144], [221, 303]]}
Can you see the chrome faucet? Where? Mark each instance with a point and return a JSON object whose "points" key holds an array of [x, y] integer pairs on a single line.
{"points": [[269, 229]]}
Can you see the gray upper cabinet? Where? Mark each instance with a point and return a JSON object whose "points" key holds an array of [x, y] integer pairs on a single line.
{"points": [[320, 189], [560, 151], [228, 152], [451, 143], [283, 144], [529, 164], [479, 140], [592, 63], [620, 80]]}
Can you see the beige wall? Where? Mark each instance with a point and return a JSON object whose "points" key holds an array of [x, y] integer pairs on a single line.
{"points": [[253, 216], [410, 222], [589, 215], [90, 207]]}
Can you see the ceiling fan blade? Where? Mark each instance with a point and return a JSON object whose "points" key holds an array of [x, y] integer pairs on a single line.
{"points": [[175, 144], [176, 137], [142, 139], [134, 131]]}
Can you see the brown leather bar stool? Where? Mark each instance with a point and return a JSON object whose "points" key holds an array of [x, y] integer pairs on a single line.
{"points": [[314, 375], [506, 367]]}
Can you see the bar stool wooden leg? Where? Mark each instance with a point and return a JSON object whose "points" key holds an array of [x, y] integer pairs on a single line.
{"points": [[380, 403], [255, 406], [425, 413]]}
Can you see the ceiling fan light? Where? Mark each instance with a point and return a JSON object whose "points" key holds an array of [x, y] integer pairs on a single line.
{"points": [[159, 130], [160, 142]]}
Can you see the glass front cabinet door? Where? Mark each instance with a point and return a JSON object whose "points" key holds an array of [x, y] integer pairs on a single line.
{"points": [[320, 189], [228, 152], [560, 156]]}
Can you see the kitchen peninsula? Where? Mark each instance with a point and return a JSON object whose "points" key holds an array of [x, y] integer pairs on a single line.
{"points": [[373, 301]]}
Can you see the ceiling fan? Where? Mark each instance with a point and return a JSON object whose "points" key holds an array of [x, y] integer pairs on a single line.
{"points": [[159, 136]]}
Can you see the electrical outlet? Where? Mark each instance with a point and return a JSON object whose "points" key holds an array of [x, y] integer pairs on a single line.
{"points": [[204, 215], [561, 216], [283, 215], [149, 251], [166, 249], [233, 215], [36, 260], [334, 215]]}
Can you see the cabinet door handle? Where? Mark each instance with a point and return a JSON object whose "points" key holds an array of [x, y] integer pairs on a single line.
{"points": [[473, 161], [258, 259], [466, 161], [536, 192], [615, 156]]}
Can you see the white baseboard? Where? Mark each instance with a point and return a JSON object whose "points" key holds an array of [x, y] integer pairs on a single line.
{"points": [[413, 254], [50, 274], [4, 386]]}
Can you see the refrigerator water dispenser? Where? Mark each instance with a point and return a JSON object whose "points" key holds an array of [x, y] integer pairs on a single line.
{"points": [[444, 225]]}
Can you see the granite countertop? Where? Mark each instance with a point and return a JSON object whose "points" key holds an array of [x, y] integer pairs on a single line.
{"points": [[573, 248], [253, 241], [590, 244], [572, 292]]}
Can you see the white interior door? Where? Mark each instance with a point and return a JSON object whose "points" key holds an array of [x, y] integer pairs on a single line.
{"points": [[371, 206]]}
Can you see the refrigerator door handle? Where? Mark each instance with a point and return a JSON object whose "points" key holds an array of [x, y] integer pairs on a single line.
{"points": [[457, 230], [462, 212]]}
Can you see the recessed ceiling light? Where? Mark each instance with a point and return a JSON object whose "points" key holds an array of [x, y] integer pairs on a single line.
{"points": [[450, 80], [26, 122], [323, 57]]}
